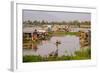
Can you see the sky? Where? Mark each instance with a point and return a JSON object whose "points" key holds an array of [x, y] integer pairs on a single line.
{"points": [[55, 16]]}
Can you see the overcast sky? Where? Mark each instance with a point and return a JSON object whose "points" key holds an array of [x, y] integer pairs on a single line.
{"points": [[55, 16]]}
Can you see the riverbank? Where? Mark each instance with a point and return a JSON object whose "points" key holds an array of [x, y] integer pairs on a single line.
{"points": [[79, 55], [64, 33]]}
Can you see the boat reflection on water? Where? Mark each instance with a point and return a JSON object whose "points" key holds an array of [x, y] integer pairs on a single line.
{"points": [[34, 47]]}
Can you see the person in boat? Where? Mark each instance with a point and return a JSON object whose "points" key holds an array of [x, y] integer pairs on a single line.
{"points": [[58, 42], [35, 35]]}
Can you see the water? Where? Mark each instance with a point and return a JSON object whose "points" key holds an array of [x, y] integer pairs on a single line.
{"points": [[69, 44]]}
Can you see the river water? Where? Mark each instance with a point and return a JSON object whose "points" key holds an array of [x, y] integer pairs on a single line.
{"points": [[68, 45]]}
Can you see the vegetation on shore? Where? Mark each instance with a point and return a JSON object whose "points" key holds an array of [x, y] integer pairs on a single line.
{"points": [[64, 33], [79, 55]]}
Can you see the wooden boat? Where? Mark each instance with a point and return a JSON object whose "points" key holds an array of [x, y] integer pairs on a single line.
{"points": [[58, 42]]}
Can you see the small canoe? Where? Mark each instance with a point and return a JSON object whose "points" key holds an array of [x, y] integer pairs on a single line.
{"points": [[58, 42]]}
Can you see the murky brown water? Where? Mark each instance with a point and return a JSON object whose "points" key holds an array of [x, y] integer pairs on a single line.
{"points": [[68, 45]]}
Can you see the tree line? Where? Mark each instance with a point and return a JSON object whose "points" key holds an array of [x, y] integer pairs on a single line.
{"points": [[76, 22]]}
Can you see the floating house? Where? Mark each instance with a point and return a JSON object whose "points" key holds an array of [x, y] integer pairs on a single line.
{"points": [[32, 31]]}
